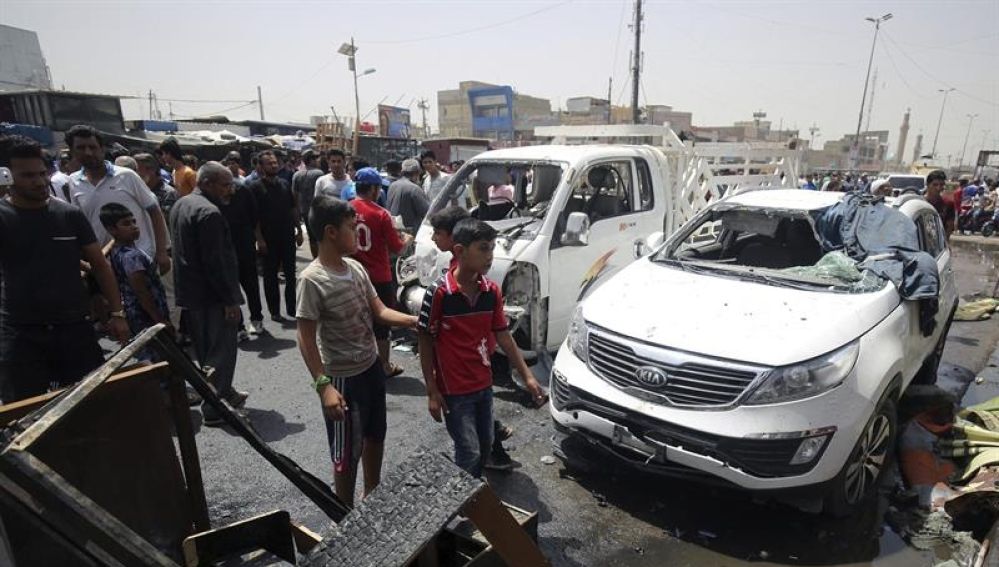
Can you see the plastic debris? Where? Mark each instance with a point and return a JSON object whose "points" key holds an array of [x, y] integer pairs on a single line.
{"points": [[548, 460]]}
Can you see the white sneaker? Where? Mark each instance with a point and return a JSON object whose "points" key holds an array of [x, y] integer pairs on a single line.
{"points": [[255, 327]]}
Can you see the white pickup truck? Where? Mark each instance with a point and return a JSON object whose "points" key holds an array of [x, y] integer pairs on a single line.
{"points": [[570, 216]]}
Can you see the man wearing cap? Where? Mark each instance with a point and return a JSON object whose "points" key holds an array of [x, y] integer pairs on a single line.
{"points": [[376, 239], [406, 198], [303, 185]]}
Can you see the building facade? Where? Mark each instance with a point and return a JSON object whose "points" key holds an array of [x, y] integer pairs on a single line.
{"points": [[483, 110], [22, 65]]}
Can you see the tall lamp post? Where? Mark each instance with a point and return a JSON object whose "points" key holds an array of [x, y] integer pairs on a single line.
{"points": [[863, 99], [936, 136], [971, 119], [350, 50]]}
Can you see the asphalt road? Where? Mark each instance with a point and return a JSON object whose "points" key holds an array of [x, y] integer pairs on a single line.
{"points": [[593, 513]]}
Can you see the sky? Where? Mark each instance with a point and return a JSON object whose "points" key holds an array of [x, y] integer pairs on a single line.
{"points": [[802, 62]]}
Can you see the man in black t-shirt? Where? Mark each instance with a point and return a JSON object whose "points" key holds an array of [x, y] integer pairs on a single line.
{"points": [[242, 216], [46, 337], [279, 230]]}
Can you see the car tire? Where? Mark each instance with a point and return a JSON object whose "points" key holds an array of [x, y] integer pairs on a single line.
{"points": [[862, 472]]}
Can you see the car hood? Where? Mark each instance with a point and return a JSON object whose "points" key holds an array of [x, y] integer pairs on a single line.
{"points": [[732, 319]]}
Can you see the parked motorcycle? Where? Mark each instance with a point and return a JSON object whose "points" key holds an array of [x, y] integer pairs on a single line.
{"points": [[990, 227]]}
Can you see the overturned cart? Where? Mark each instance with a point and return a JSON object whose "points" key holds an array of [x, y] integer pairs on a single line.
{"points": [[107, 473]]}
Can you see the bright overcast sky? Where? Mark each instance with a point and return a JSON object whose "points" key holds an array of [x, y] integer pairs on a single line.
{"points": [[802, 62]]}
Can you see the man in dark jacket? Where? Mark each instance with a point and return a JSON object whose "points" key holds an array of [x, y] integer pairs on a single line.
{"points": [[280, 230], [206, 279]]}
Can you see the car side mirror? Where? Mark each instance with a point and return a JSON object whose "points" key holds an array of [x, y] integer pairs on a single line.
{"points": [[577, 230], [643, 246]]}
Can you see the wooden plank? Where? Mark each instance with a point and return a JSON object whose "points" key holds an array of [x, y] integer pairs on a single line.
{"points": [[316, 490], [188, 452], [270, 531], [69, 400], [80, 518], [16, 410], [305, 539], [509, 540]]}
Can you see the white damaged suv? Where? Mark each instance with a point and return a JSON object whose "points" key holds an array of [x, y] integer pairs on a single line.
{"points": [[739, 351]]}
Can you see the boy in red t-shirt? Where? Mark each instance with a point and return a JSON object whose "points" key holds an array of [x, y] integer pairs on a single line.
{"points": [[460, 324], [376, 238]]}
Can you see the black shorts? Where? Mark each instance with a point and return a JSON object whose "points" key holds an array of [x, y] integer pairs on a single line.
{"points": [[365, 416], [386, 292]]}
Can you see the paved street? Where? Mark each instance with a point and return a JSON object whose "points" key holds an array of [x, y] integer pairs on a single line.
{"points": [[600, 514]]}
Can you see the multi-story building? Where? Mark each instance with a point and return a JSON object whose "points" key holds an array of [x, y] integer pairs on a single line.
{"points": [[838, 154], [22, 65], [484, 110]]}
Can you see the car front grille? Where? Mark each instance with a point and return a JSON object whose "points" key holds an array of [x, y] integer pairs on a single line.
{"points": [[689, 383]]}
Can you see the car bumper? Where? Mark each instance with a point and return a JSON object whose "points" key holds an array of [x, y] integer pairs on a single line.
{"points": [[751, 447]]}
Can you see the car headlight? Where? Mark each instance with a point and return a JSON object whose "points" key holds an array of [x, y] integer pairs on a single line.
{"points": [[426, 265], [807, 378], [579, 336], [519, 285]]}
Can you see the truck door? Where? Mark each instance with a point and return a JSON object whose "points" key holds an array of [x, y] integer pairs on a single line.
{"points": [[618, 197]]}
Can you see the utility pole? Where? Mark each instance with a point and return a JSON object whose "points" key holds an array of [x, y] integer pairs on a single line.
{"points": [[971, 118], [811, 140], [636, 64], [933, 153], [855, 154], [424, 106], [150, 104], [870, 102], [260, 102], [610, 90]]}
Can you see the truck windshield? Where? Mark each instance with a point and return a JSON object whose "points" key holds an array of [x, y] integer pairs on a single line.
{"points": [[496, 190], [774, 246]]}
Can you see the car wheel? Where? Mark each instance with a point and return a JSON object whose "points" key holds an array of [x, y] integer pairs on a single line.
{"points": [[872, 454]]}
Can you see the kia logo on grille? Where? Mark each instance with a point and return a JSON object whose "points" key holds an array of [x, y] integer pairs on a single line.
{"points": [[651, 376]]}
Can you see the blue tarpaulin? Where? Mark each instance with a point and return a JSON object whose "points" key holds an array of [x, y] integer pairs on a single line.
{"points": [[40, 134]]}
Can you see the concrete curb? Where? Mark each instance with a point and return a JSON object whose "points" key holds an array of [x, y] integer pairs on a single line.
{"points": [[992, 242]]}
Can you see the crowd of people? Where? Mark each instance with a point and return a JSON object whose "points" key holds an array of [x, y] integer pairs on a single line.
{"points": [[93, 243]]}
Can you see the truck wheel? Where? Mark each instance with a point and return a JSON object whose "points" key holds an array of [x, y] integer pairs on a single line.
{"points": [[861, 474]]}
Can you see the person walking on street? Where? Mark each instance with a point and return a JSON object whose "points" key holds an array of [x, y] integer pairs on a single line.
{"points": [[280, 229], [407, 199], [333, 183], [100, 183], [234, 162], [46, 337], [242, 215], [377, 238], [435, 180], [303, 184], [206, 282], [337, 306], [149, 171], [184, 178]]}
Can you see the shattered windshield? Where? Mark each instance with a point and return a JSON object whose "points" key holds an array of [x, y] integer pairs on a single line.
{"points": [[496, 190], [774, 246]]}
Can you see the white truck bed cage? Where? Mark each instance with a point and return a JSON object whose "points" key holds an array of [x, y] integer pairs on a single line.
{"points": [[662, 136]]}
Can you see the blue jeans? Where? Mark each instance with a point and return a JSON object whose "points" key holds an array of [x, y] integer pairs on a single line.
{"points": [[469, 421]]}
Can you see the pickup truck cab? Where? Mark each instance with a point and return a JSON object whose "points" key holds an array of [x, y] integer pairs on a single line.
{"points": [[740, 352], [570, 216]]}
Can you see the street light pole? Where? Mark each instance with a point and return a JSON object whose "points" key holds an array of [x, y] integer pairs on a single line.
{"points": [[936, 136], [867, 79], [971, 119]]}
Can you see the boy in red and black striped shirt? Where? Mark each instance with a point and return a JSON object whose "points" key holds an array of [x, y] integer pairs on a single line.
{"points": [[460, 324]]}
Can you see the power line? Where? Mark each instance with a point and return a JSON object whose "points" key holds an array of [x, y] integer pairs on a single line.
{"points": [[470, 30], [190, 100], [931, 77], [223, 111], [884, 48]]}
